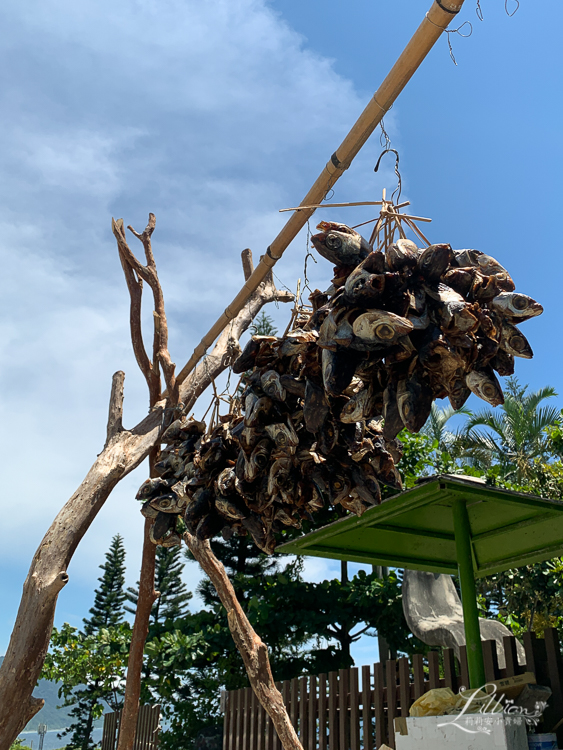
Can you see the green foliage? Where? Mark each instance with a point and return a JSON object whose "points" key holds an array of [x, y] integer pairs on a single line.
{"points": [[174, 595], [99, 659], [263, 326], [18, 744], [109, 596], [514, 437]]}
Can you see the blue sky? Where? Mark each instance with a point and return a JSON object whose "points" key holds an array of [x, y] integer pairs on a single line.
{"points": [[213, 115]]}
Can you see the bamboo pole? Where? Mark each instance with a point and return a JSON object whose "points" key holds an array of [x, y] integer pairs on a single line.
{"points": [[434, 23]]}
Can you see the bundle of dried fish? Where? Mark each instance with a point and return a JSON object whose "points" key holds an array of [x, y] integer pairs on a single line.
{"points": [[316, 422], [427, 323]]}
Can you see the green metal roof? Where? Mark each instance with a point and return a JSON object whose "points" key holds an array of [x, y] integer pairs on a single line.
{"points": [[415, 529]]}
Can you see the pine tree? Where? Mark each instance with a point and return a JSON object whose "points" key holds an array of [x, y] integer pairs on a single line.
{"points": [[109, 596], [172, 603], [263, 326]]}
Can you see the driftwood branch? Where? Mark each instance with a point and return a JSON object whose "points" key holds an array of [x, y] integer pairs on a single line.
{"points": [[115, 416], [124, 451], [147, 597], [247, 264], [47, 575], [252, 649]]}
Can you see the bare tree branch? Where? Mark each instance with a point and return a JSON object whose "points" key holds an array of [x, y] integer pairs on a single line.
{"points": [[115, 416], [247, 264], [252, 649], [124, 451]]}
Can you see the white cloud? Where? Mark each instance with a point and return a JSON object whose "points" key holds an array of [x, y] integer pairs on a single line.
{"points": [[212, 115]]}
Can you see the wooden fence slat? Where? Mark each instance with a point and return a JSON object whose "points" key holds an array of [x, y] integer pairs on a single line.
{"points": [[253, 721], [294, 702], [553, 653], [490, 660], [404, 686], [433, 669], [449, 669], [239, 720], [529, 642], [379, 710], [354, 709], [246, 718], [261, 729], [510, 656], [332, 710], [303, 714], [343, 708], [366, 709], [418, 675], [313, 707], [463, 667], [323, 705], [226, 722], [391, 680]]}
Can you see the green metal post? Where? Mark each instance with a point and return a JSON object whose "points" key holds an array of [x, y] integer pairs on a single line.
{"points": [[462, 530]]}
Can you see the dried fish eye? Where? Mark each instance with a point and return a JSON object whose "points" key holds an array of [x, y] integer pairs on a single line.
{"points": [[165, 503], [489, 390], [518, 343], [333, 241], [385, 332], [520, 302], [337, 485], [281, 439]]}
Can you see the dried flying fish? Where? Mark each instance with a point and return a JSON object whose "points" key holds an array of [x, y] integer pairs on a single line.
{"points": [[402, 254], [381, 327], [486, 386], [514, 342], [271, 385], [434, 261], [340, 244], [516, 305]]}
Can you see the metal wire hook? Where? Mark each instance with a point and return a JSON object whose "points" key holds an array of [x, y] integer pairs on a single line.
{"points": [[397, 173], [515, 9]]}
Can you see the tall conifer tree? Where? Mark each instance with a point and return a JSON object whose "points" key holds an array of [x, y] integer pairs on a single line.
{"points": [[109, 597]]}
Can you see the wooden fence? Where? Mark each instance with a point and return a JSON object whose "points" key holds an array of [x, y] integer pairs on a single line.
{"points": [[354, 709], [148, 729]]}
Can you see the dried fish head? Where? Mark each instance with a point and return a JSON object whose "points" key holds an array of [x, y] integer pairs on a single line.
{"points": [[229, 508], [516, 305], [454, 309], [514, 342], [148, 511], [458, 392], [358, 406], [340, 244], [402, 254], [209, 526], [225, 482], [151, 488], [485, 385], [380, 326], [297, 342], [315, 407], [327, 436], [503, 363], [259, 411], [164, 525], [434, 261], [272, 386], [363, 287], [169, 503], [339, 486], [280, 480], [284, 436], [485, 263], [393, 423], [414, 399]]}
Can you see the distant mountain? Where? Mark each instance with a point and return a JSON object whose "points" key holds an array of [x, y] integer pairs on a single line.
{"points": [[53, 717]]}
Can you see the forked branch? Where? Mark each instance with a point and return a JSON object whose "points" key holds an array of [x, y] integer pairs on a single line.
{"points": [[252, 649]]}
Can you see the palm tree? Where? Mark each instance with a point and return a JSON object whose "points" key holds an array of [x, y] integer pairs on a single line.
{"points": [[515, 436], [435, 427]]}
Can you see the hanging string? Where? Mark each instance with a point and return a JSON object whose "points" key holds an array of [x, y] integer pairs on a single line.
{"points": [[398, 189], [384, 139], [515, 9], [455, 31], [479, 11], [308, 254]]}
